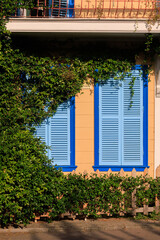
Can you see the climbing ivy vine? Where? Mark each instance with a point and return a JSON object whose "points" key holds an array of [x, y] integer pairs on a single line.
{"points": [[35, 84], [31, 88]]}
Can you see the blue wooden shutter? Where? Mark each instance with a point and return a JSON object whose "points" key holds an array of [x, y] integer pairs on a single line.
{"points": [[109, 123], [132, 129], [121, 125], [55, 132], [60, 135], [42, 131]]}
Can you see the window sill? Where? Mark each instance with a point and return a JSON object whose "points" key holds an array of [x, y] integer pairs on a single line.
{"points": [[66, 168], [118, 168]]}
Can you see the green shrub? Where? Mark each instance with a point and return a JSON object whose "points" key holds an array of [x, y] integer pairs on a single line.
{"points": [[28, 183], [91, 195], [30, 186]]}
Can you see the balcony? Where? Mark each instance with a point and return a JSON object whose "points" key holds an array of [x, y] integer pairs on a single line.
{"points": [[98, 9], [87, 16]]}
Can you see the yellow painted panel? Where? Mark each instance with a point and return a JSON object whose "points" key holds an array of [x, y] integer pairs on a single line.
{"points": [[85, 168], [150, 156], [151, 145], [151, 133], [84, 121], [84, 145], [150, 121], [84, 133], [151, 124], [151, 108], [151, 97], [151, 86], [84, 108], [151, 168], [151, 116], [85, 97], [84, 158]]}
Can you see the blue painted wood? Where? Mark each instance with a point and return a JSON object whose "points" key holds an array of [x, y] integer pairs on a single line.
{"points": [[96, 124], [71, 6], [109, 123], [66, 168], [60, 135], [118, 168], [133, 126], [132, 120], [50, 6], [42, 132], [58, 132], [72, 133], [145, 116]]}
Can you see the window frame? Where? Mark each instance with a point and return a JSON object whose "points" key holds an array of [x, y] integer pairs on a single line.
{"points": [[71, 166], [145, 129]]}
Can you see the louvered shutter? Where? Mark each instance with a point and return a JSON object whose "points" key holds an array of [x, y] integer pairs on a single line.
{"points": [[109, 124], [121, 125], [55, 132], [60, 135], [42, 132], [132, 131]]}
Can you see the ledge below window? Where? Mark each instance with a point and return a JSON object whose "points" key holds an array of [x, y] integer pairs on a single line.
{"points": [[66, 168], [118, 168]]}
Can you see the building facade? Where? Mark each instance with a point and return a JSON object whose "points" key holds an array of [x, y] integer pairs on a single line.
{"points": [[98, 130]]}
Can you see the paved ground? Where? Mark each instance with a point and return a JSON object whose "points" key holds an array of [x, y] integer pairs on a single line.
{"points": [[109, 229]]}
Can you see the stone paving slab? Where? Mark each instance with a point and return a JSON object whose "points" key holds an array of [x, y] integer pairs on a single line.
{"points": [[84, 226]]}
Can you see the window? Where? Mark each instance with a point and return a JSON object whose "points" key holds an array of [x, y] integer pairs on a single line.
{"points": [[58, 132], [51, 8], [121, 130], [61, 8]]}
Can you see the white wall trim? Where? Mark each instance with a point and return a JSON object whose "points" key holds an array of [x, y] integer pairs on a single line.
{"points": [[81, 25]]}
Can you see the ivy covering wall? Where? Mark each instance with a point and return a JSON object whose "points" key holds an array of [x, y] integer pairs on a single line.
{"points": [[31, 88]]}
